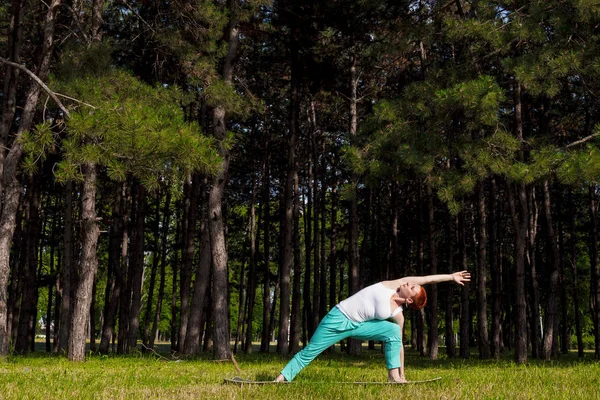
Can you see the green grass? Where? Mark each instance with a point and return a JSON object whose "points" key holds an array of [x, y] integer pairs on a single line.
{"points": [[43, 376]]}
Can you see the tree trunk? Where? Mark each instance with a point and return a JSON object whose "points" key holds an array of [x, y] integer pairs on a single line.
{"points": [[251, 274], [136, 266], [66, 273], [465, 319], [89, 265], [574, 269], [288, 213], [482, 320], [164, 242], [215, 202], [266, 230], [595, 270], [174, 309], [519, 219], [433, 289], [323, 306], [296, 317], [125, 295], [353, 249], [450, 341], [11, 77], [28, 309], [153, 272], [565, 335], [495, 274], [420, 249], [551, 313], [333, 294], [201, 287], [536, 333], [11, 185], [114, 273], [316, 298], [308, 240], [49, 316], [190, 217]]}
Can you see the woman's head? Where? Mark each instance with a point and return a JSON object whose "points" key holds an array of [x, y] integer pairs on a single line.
{"points": [[419, 300], [415, 295]]}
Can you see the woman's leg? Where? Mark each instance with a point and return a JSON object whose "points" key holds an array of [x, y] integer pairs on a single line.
{"points": [[387, 332], [333, 328]]}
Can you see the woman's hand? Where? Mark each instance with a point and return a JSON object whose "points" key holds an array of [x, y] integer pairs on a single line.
{"points": [[461, 277]]}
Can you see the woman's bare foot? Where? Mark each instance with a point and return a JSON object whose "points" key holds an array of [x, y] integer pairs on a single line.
{"points": [[395, 376], [280, 378]]}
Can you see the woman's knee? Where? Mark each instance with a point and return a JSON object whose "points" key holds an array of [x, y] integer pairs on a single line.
{"points": [[394, 335]]}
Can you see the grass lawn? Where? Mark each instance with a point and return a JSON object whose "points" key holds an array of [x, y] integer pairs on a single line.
{"points": [[43, 376]]}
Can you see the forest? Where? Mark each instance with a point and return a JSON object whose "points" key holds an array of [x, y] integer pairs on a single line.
{"points": [[218, 174]]}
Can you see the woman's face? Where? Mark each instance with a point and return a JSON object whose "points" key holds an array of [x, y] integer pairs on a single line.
{"points": [[408, 290]]}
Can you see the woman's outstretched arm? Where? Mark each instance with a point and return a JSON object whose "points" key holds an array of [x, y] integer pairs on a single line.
{"points": [[459, 277]]}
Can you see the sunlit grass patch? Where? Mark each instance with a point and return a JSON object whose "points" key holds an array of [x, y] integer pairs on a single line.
{"points": [[41, 376]]}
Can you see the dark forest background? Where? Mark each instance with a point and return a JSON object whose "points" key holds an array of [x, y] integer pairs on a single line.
{"points": [[221, 173]]}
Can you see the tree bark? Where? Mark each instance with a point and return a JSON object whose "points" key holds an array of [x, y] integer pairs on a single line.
{"points": [[551, 314], [190, 217], [420, 315], [536, 333], [353, 249], [66, 273], [296, 317], [465, 320], [450, 341], [251, 274], [574, 269], [29, 296], [288, 213], [519, 219], [11, 185], [595, 270], [333, 294], [125, 295], [432, 298], [164, 242], [316, 295], [174, 334], [114, 273], [520, 225], [153, 272], [482, 319], [136, 266], [495, 274], [266, 270], [11, 77], [216, 226], [201, 287], [89, 265]]}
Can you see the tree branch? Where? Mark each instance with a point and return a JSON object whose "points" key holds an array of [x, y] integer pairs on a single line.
{"points": [[580, 141], [39, 82]]}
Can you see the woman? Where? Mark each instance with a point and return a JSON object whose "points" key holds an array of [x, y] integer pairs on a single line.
{"points": [[365, 315]]}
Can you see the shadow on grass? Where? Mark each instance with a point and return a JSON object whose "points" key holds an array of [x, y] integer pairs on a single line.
{"points": [[334, 356]]}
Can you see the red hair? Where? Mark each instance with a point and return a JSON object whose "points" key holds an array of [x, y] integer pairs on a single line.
{"points": [[419, 299]]}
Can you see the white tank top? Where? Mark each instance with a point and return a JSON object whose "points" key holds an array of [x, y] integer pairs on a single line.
{"points": [[372, 302]]}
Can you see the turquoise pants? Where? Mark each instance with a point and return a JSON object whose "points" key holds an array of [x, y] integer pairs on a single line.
{"points": [[335, 327]]}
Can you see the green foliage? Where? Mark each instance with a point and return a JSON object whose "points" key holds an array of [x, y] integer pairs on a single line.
{"points": [[219, 94], [36, 146], [126, 126]]}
